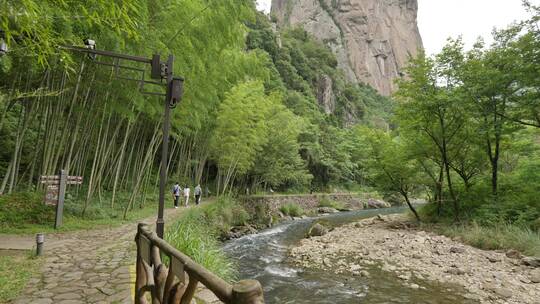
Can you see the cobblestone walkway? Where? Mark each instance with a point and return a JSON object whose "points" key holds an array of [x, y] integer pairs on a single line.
{"points": [[87, 267]]}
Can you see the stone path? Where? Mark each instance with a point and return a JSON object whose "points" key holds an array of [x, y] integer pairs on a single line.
{"points": [[87, 267]]}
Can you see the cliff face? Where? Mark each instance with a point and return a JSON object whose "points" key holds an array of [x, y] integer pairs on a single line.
{"points": [[372, 39]]}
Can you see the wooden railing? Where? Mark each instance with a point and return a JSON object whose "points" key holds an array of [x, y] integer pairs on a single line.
{"points": [[168, 285]]}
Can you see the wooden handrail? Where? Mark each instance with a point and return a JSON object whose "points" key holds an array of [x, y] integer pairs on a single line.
{"points": [[153, 276]]}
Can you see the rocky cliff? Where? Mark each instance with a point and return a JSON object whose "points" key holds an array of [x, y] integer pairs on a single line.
{"points": [[372, 39]]}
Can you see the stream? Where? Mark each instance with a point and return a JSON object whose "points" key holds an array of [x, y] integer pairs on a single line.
{"points": [[263, 257]]}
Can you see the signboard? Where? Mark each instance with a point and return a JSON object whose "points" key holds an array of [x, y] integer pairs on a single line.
{"points": [[51, 195], [56, 192]]}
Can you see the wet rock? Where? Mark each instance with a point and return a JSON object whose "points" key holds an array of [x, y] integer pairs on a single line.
{"points": [[531, 261], [326, 262], [317, 230], [377, 204], [327, 210], [404, 277], [513, 254], [238, 232], [364, 273], [414, 286], [354, 267]]}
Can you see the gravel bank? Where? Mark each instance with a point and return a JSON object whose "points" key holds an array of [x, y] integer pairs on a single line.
{"points": [[415, 256]]}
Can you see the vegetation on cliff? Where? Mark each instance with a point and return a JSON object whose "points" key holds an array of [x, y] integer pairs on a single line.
{"points": [[468, 133]]}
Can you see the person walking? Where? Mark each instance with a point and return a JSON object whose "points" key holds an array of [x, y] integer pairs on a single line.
{"points": [[186, 194], [198, 192], [176, 194]]}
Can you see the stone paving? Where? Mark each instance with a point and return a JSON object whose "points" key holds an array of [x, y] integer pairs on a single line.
{"points": [[87, 267]]}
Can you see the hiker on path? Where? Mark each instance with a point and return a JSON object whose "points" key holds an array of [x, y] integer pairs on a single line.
{"points": [[198, 192], [186, 194], [176, 194]]}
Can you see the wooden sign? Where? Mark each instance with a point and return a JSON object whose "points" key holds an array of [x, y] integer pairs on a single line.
{"points": [[74, 180], [51, 195], [55, 180], [56, 192]]}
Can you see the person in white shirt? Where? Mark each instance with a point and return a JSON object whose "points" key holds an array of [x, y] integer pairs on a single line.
{"points": [[186, 194]]}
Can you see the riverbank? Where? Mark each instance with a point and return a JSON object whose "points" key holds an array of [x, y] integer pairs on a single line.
{"points": [[414, 256]]}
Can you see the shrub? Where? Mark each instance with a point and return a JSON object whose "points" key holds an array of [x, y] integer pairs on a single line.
{"points": [[501, 236], [192, 235], [292, 209], [225, 213], [18, 209], [325, 202]]}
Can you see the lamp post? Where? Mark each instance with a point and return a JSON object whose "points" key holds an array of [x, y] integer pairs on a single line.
{"points": [[174, 91]]}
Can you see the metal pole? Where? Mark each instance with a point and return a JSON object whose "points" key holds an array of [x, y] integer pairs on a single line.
{"points": [[160, 223], [40, 239]]}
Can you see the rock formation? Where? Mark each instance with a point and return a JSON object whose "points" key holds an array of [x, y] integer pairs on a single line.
{"points": [[372, 39]]}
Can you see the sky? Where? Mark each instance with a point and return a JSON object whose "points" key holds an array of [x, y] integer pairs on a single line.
{"points": [[440, 19]]}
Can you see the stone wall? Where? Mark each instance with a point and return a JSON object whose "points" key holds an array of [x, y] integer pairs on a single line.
{"points": [[272, 203]]}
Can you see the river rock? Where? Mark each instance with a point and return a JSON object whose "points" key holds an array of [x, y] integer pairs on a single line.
{"points": [[513, 254], [531, 261], [317, 230], [455, 249], [327, 210], [500, 291], [414, 286], [455, 271], [503, 292], [494, 258], [535, 275], [377, 204]]}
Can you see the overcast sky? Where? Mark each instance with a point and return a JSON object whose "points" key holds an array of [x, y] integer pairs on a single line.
{"points": [[440, 19]]}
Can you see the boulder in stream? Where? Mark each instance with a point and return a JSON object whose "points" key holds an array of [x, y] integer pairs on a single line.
{"points": [[317, 230], [377, 204]]}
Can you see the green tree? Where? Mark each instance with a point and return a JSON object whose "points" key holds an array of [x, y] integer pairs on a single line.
{"points": [[431, 106], [389, 164]]}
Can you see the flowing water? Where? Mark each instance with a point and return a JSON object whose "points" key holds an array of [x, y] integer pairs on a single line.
{"points": [[263, 256]]}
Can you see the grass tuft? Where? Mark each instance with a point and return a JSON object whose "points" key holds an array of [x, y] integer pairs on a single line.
{"points": [[197, 231], [325, 202], [16, 271], [502, 236], [292, 209]]}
